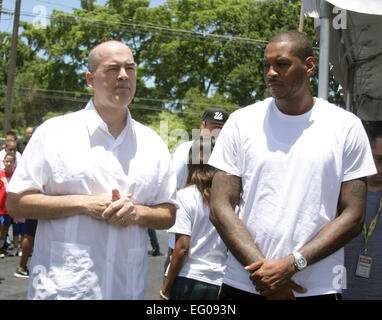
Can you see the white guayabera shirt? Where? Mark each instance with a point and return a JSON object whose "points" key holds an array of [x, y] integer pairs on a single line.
{"points": [[81, 257]]}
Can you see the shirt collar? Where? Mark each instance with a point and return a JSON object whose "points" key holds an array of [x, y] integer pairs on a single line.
{"points": [[94, 120]]}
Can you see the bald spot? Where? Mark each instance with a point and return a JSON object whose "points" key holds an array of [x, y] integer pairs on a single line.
{"points": [[94, 54]]}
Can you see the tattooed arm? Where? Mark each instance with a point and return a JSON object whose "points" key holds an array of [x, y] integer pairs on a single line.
{"points": [[225, 195], [348, 224], [273, 274]]}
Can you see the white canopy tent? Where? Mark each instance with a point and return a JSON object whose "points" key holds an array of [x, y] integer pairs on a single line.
{"points": [[350, 34]]}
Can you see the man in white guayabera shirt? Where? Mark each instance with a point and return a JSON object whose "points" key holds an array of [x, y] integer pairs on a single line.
{"points": [[95, 180], [296, 166]]}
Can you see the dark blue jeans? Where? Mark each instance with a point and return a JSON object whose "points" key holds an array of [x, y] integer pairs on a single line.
{"points": [[190, 289], [153, 237]]}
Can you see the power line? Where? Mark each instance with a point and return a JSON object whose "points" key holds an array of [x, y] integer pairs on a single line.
{"points": [[59, 4], [164, 101], [137, 25], [163, 30], [138, 101]]}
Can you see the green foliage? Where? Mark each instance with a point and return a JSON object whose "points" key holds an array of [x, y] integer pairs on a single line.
{"points": [[171, 128], [196, 103], [53, 114], [29, 71], [190, 55]]}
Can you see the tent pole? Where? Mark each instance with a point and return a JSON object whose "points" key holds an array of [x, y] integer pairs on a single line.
{"points": [[350, 89], [323, 72], [348, 101]]}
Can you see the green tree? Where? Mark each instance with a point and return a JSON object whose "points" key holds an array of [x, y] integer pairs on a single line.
{"points": [[27, 105], [190, 54], [171, 128], [223, 51]]}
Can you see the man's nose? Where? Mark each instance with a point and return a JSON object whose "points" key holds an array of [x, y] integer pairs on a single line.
{"points": [[272, 72], [123, 73]]}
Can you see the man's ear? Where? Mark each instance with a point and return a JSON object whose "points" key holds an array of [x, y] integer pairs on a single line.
{"points": [[90, 79], [310, 64]]}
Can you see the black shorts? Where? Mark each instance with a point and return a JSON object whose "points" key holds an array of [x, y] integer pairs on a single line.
{"points": [[230, 293], [31, 227]]}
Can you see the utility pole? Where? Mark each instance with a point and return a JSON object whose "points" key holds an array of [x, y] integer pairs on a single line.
{"points": [[11, 70]]}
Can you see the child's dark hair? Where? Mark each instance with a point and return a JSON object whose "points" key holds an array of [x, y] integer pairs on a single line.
{"points": [[199, 172], [9, 154]]}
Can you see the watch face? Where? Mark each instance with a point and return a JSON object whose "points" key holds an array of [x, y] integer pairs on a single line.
{"points": [[301, 263]]}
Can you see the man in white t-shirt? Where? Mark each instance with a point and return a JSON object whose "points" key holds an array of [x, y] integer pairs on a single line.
{"points": [[95, 189], [296, 166]]}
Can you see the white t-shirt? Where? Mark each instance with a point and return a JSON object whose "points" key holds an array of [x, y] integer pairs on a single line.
{"points": [[291, 168], [207, 254], [81, 257], [180, 160]]}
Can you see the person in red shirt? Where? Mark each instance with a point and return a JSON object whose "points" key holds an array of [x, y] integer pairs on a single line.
{"points": [[5, 220]]}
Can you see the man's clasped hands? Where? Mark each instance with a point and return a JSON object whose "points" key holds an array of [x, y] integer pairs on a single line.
{"points": [[272, 278], [115, 209]]}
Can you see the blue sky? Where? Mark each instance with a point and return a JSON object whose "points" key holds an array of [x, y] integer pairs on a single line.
{"points": [[30, 9]]}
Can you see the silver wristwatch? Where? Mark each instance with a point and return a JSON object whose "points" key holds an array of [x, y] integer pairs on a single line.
{"points": [[299, 261]]}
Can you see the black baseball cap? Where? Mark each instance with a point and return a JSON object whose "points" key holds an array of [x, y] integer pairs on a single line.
{"points": [[215, 115]]}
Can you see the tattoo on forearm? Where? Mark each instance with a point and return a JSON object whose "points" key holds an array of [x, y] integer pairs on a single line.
{"points": [[351, 211], [225, 196]]}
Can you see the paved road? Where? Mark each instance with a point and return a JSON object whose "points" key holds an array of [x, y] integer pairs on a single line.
{"points": [[12, 288]]}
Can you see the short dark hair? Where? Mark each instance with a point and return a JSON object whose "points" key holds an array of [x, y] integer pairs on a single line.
{"points": [[302, 44], [11, 133], [8, 154], [374, 131]]}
